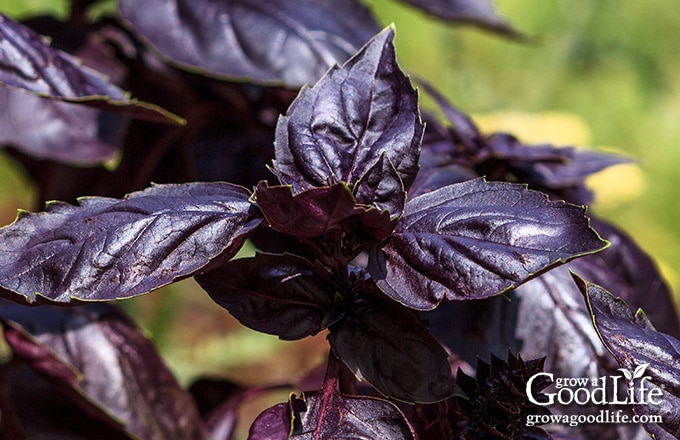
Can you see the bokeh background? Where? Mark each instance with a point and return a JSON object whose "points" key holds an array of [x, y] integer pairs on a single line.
{"points": [[601, 74]]}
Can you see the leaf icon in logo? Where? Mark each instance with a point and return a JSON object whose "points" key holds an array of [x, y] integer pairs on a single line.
{"points": [[639, 371], [627, 374]]}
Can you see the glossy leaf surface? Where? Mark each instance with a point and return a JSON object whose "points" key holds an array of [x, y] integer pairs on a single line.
{"points": [[477, 239], [634, 341], [276, 294], [108, 249], [289, 42], [98, 359], [70, 132], [388, 346], [29, 64], [355, 125], [316, 212], [329, 414]]}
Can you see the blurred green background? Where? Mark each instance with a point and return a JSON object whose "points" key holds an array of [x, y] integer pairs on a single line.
{"points": [[598, 73]]}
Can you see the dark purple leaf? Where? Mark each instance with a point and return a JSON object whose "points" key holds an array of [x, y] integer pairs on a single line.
{"points": [[388, 346], [103, 364], [111, 249], [547, 317], [476, 12], [220, 402], [70, 133], [282, 295], [330, 415], [477, 239], [358, 123], [544, 167], [634, 342], [33, 408], [463, 130], [290, 42], [325, 211], [275, 423], [626, 269], [29, 64]]}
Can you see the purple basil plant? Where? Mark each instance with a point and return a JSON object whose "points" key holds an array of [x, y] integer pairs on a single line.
{"points": [[453, 271]]}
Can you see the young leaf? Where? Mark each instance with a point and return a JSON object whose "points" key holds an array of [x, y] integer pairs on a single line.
{"points": [[354, 118], [29, 64], [277, 294], [388, 346], [634, 342], [330, 415], [316, 212], [289, 42], [476, 12], [108, 249], [477, 239], [95, 357]]}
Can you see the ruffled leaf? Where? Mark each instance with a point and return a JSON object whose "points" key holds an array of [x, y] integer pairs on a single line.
{"points": [[634, 342], [355, 125], [326, 211], [477, 239], [108, 249]]}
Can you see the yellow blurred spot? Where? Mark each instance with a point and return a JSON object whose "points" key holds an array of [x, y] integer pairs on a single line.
{"points": [[558, 128], [612, 186], [616, 185]]}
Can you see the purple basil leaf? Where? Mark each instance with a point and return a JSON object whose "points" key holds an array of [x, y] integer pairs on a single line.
{"points": [[355, 117], [629, 271], [276, 294], [545, 317], [325, 211], [476, 12], [33, 408], [634, 341], [29, 64], [70, 133], [330, 415], [220, 402], [547, 166], [463, 129], [289, 42], [477, 239], [388, 346], [275, 423], [383, 187], [108, 249], [104, 365]]}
